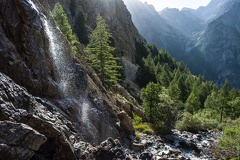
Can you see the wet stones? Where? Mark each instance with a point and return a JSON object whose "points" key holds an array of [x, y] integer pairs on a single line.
{"points": [[138, 147]]}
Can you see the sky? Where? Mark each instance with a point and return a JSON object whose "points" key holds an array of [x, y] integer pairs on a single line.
{"points": [[161, 4]]}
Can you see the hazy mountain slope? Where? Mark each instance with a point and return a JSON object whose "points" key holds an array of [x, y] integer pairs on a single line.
{"points": [[213, 10], [183, 20], [220, 46], [155, 29]]}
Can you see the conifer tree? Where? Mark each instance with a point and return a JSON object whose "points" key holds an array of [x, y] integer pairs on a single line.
{"points": [[224, 98], [61, 19], [100, 54]]}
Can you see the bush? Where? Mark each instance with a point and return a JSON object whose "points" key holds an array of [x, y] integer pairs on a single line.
{"points": [[189, 123], [137, 137], [159, 109], [208, 118], [144, 127], [136, 119], [229, 144]]}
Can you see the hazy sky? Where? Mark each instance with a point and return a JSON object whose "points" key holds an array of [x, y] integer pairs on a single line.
{"points": [[161, 4]]}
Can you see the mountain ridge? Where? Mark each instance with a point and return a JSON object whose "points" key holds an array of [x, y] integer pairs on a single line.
{"points": [[196, 27]]}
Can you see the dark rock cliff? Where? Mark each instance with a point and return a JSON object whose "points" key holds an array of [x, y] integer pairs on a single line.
{"points": [[23, 49], [86, 111]]}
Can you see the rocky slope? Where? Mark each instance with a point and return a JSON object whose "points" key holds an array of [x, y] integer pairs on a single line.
{"points": [[85, 110], [183, 21]]}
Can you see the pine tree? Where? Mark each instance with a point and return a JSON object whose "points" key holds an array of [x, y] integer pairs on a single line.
{"points": [[193, 103], [61, 19], [100, 54], [159, 108], [150, 97], [224, 98]]}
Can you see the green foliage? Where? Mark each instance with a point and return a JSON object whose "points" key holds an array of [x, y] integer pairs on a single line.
{"points": [[136, 119], [150, 97], [168, 83], [159, 108], [144, 127], [208, 118], [224, 103], [189, 123], [61, 19], [192, 104], [100, 54], [154, 66], [234, 108], [137, 137], [229, 144]]}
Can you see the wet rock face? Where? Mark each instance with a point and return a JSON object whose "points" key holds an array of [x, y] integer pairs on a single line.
{"points": [[19, 141], [31, 127], [24, 48]]}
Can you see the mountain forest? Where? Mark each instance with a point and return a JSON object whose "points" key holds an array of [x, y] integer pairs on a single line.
{"points": [[115, 79]]}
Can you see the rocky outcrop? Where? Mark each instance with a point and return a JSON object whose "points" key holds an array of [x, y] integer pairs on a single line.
{"points": [[24, 54], [19, 141], [126, 123], [26, 58], [31, 127]]}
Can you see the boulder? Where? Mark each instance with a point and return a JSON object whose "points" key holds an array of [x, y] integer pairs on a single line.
{"points": [[126, 123], [19, 141], [138, 146], [109, 150], [146, 156]]}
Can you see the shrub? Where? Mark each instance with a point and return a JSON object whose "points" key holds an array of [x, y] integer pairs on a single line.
{"points": [[144, 127], [136, 119], [189, 123], [137, 137], [229, 144], [208, 118]]}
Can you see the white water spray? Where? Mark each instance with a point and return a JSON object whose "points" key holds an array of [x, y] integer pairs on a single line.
{"points": [[57, 51], [33, 6], [86, 114]]}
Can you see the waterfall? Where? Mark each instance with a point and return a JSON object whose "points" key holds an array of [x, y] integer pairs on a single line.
{"points": [[58, 53], [59, 58], [91, 119], [65, 70]]}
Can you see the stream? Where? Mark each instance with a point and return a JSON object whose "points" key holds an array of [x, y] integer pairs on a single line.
{"points": [[178, 145]]}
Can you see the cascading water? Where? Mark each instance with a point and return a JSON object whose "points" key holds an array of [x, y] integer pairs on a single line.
{"points": [[59, 58], [66, 77], [90, 118], [58, 53]]}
